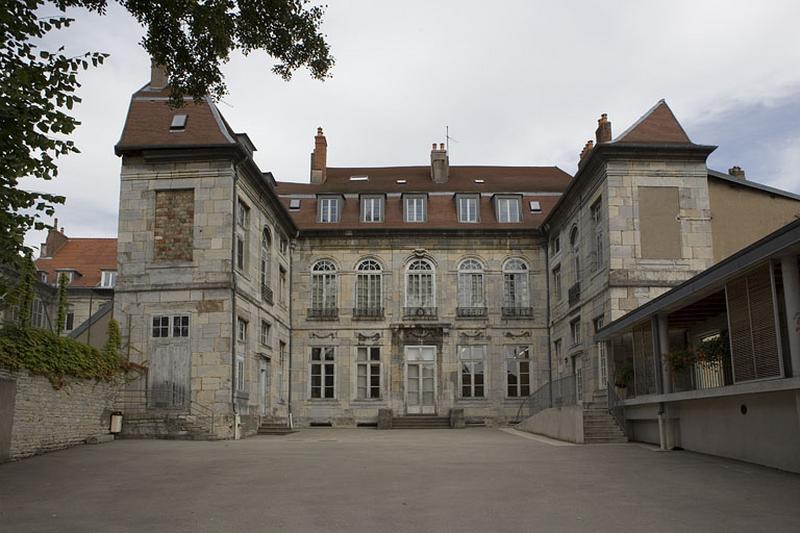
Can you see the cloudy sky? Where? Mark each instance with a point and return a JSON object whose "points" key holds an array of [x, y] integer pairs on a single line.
{"points": [[517, 82]]}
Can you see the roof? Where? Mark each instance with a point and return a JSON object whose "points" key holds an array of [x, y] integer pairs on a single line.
{"points": [[697, 287], [542, 184], [149, 118], [740, 182], [657, 126], [87, 256]]}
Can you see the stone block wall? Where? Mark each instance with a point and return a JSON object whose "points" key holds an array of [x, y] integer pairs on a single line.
{"points": [[45, 419]]}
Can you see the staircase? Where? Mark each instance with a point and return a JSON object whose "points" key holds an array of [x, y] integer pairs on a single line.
{"points": [[275, 426], [421, 422], [599, 427]]}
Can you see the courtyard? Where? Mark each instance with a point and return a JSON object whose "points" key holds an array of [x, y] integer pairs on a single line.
{"points": [[474, 480]]}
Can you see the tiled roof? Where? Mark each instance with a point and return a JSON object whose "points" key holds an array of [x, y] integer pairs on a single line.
{"points": [[88, 256], [542, 184], [657, 126]]}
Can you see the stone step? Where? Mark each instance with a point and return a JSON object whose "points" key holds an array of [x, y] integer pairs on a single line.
{"points": [[276, 431], [421, 422]]}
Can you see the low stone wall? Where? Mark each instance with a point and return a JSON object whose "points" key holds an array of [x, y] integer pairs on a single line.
{"points": [[563, 423], [40, 419]]}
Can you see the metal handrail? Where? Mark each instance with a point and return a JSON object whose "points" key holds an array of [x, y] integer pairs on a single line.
{"points": [[140, 397], [557, 393]]}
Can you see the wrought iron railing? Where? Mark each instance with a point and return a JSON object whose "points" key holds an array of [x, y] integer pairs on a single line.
{"points": [[574, 294], [419, 312], [517, 312], [324, 313], [266, 294], [615, 407], [138, 401], [471, 312], [368, 313], [557, 393]]}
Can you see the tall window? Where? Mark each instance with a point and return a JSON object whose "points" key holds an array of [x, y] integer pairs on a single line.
{"points": [[419, 284], [266, 334], [242, 224], [470, 284], [69, 319], [329, 209], [515, 284], [282, 361], [282, 285], [266, 259], [241, 330], [323, 373], [597, 235], [109, 278], [241, 382], [468, 208], [368, 372], [602, 361], [38, 314], [372, 208], [415, 210], [472, 360], [574, 243], [557, 282], [323, 285], [518, 371], [508, 209], [575, 331], [369, 292]]}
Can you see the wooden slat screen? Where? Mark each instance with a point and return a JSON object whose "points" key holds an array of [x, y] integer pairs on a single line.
{"points": [[644, 361]]}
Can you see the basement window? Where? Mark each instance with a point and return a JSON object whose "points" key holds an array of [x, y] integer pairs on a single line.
{"points": [[536, 207], [294, 204], [178, 123]]}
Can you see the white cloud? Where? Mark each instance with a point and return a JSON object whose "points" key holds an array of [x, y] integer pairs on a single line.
{"points": [[519, 83]]}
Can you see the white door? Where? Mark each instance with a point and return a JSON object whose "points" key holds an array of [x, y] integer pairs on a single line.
{"points": [[263, 385], [420, 372]]}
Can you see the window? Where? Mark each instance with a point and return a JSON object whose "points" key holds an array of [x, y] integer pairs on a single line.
{"points": [[108, 278], [556, 244], [518, 371], [415, 209], [241, 330], [265, 270], [574, 243], [38, 314], [515, 284], [372, 209], [284, 246], [508, 209], [323, 373], [69, 274], [163, 325], [323, 285], [368, 372], [597, 230], [42, 276], [575, 331], [557, 349], [266, 333], [178, 123], [282, 285], [294, 204], [69, 320], [369, 290], [602, 360], [470, 284], [536, 206], [242, 214], [468, 208], [419, 284], [472, 360], [241, 382], [282, 360], [557, 282], [242, 221], [329, 209]]}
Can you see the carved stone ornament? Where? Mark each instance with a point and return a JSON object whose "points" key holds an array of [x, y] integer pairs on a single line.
{"points": [[421, 333], [472, 335], [375, 337], [315, 335], [420, 252], [513, 335]]}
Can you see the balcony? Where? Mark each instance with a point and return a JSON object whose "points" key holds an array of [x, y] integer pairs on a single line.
{"points": [[421, 313], [517, 312], [574, 295], [471, 312], [367, 313], [326, 313], [266, 294]]}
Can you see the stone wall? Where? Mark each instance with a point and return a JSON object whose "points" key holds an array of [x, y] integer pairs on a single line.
{"points": [[45, 419]]}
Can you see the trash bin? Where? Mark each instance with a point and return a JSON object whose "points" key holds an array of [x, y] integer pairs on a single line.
{"points": [[116, 422]]}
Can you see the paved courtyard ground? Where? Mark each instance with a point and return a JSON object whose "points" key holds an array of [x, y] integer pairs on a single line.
{"points": [[474, 480]]}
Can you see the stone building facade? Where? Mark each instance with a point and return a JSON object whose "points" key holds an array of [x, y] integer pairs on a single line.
{"points": [[419, 289]]}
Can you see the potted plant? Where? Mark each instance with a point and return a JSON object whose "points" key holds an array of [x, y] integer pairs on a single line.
{"points": [[712, 350], [624, 375], [681, 360]]}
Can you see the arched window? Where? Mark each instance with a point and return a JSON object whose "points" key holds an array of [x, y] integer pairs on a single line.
{"points": [[471, 300], [323, 289], [369, 289], [266, 260], [420, 290], [515, 285]]}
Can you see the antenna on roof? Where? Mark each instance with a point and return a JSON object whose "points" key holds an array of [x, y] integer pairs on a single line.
{"points": [[448, 138]]}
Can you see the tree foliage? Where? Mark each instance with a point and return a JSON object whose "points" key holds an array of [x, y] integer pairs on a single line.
{"points": [[191, 38], [61, 316]]}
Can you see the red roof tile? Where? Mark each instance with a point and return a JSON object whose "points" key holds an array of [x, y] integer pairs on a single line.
{"points": [[87, 256], [657, 126]]}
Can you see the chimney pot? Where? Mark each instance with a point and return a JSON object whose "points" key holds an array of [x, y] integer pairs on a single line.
{"points": [[440, 164], [603, 132], [158, 75], [441, 146], [737, 172], [433, 146]]}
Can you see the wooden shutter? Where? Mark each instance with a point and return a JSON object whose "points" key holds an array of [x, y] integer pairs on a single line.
{"points": [[751, 317], [644, 361]]}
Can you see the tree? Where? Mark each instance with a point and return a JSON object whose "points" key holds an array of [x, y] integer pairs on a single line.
{"points": [[191, 38]]}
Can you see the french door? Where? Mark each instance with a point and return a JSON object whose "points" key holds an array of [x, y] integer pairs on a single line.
{"points": [[420, 374]]}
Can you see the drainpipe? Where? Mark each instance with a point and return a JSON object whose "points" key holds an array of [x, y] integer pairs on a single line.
{"points": [[547, 321], [234, 325], [291, 329]]}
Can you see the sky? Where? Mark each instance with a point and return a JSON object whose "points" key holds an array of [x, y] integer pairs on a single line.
{"points": [[516, 82]]}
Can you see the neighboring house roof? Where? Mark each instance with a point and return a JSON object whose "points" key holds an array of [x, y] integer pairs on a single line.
{"points": [[89, 257], [541, 184], [657, 126], [740, 182]]}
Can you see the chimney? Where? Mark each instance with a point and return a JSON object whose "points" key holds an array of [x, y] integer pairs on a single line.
{"points": [[55, 240], [737, 172], [440, 164], [319, 158], [603, 132], [585, 151], [158, 75]]}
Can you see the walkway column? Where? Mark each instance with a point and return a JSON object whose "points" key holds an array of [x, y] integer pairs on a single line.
{"points": [[665, 423], [791, 295]]}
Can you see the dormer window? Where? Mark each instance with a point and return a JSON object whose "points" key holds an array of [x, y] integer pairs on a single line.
{"points": [[416, 209], [70, 274], [507, 208], [108, 278], [329, 209], [372, 208], [468, 206], [178, 123]]}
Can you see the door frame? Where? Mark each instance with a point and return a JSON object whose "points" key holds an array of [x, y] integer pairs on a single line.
{"points": [[435, 378], [264, 384]]}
